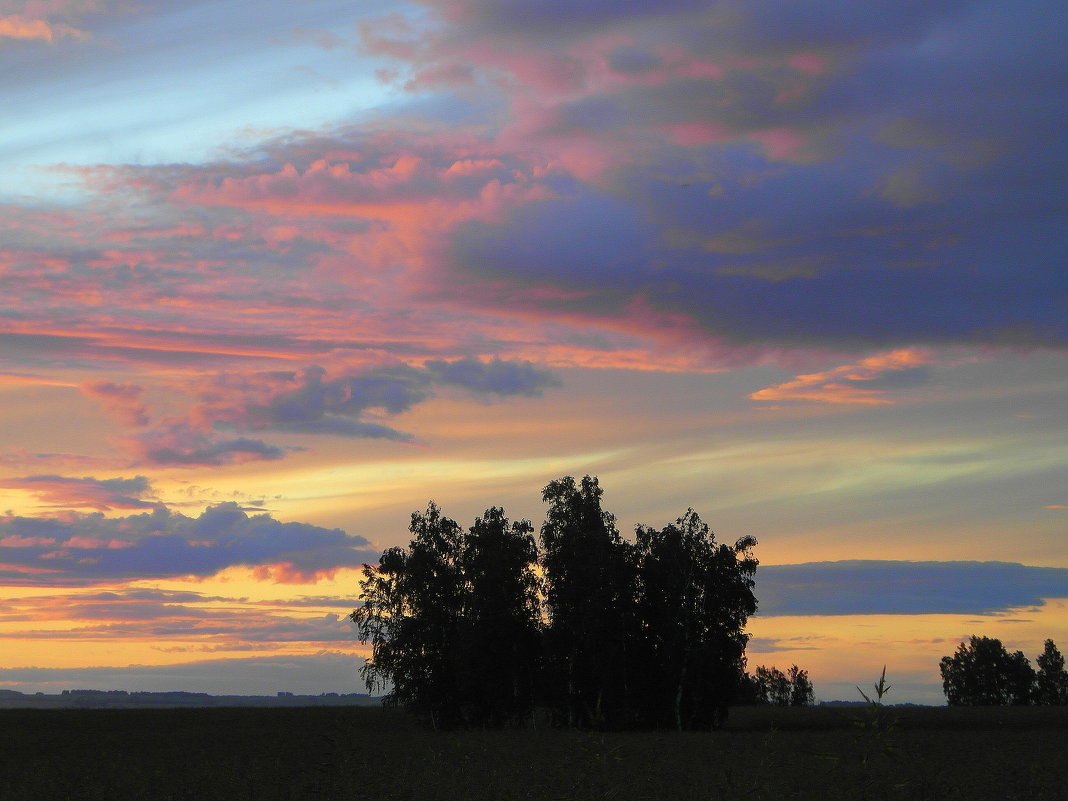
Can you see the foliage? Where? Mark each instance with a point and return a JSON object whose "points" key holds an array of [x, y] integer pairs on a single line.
{"points": [[452, 620], [413, 605], [1051, 679], [499, 639], [983, 673], [877, 726], [694, 598], [772, 686], [649, 633], [589, 595]]}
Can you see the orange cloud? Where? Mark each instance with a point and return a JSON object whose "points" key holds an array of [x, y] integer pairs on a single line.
{"points": [[18, 27], [867, 382], [288, 573]]}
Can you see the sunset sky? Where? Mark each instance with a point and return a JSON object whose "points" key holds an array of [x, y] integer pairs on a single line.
{"points": [[276, 274]]}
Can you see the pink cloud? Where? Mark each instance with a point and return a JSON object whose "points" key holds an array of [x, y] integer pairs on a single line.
{"points": [[87, 492], [812, 63], [780, 143], [18, 541], [122, 400], [19, 27], [27, 570], [403, 187], [95, 543]]}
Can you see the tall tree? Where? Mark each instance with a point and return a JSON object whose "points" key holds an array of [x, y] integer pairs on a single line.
{"points": [[500, 640], [414, 601], [983, 673], [1051, 680], [694, 599], [589, 574]]}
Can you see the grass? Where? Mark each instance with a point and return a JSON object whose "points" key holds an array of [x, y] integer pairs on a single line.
{"points": [[362, 753]]}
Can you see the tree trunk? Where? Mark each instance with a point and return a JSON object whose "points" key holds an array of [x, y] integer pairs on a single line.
{"points": [[678, 697]]}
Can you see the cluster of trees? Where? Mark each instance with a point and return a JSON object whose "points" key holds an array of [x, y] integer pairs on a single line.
{"points": [[772, 686], [982, 672], [481, 627]]}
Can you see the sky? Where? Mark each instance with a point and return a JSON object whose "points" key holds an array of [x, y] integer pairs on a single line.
{"points": [[277, 274]]}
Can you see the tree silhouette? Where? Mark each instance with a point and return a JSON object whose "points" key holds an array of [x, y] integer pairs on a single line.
{"points": [[983, 673], [500, 637], [589, 600], [1051, 680], [413, 604], [772, 686], [801, 692], [453, 620], [614, 634], [694, 599]]}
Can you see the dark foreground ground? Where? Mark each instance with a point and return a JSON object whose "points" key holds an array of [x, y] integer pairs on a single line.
{"points": [[365, 753]]}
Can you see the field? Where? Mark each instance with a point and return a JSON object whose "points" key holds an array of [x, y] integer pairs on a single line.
{"points": [[366, 753]]}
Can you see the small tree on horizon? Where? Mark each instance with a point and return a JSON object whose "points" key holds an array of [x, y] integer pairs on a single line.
{"points": [[801, 692], [983, 673], [772, 686], [1051, 679]]}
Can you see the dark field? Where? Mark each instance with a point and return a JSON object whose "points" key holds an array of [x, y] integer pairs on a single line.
{"points": [[360, 753]]}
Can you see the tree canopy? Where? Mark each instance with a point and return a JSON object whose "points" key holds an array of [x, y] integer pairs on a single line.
{"points": [[481, 627], [982, 672]]}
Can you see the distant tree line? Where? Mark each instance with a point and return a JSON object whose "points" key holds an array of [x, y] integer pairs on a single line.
{"points": [[772, 686], [982, 672], [484, 626]]}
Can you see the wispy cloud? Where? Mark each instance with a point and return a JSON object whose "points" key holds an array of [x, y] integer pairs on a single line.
{"points": [[871, 381]]}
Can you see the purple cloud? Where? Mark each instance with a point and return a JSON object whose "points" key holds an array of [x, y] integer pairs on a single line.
{"points": [[92, 493], [91, 549], [869, 587], [308, 402]]}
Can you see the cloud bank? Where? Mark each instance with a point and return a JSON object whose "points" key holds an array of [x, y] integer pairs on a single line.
{"points": [[869, 587], [91, 549]]}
